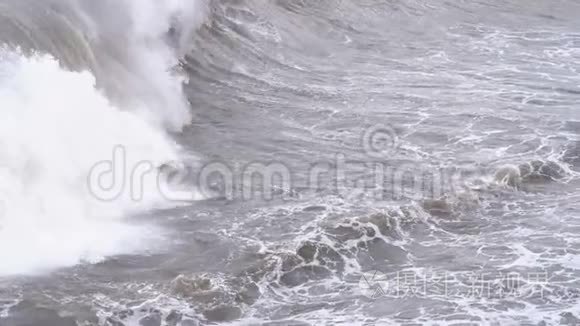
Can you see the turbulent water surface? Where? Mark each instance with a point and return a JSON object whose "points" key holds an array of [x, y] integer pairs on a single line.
{"points": [[420, 159]]}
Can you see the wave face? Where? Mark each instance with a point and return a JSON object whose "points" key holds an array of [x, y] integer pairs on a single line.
{"points": [[77, 79], [125, 44]]}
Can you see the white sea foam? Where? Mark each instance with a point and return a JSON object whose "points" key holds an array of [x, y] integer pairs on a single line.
{"points": [[55, 125]]}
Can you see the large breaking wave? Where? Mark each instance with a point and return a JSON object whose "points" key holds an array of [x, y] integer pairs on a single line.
{"points": [[77, 78]]}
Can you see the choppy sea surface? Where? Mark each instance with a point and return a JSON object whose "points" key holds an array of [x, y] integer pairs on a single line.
{"points": [[288, 162]]}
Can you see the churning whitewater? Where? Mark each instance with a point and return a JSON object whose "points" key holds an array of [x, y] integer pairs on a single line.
{"points": [[334, 162], [79, 78]]}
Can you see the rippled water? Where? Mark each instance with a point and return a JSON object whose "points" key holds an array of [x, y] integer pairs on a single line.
{"points": [[443, 138]]}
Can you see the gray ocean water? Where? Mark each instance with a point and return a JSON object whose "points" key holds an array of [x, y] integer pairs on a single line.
{"points": [[433, 159]]}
